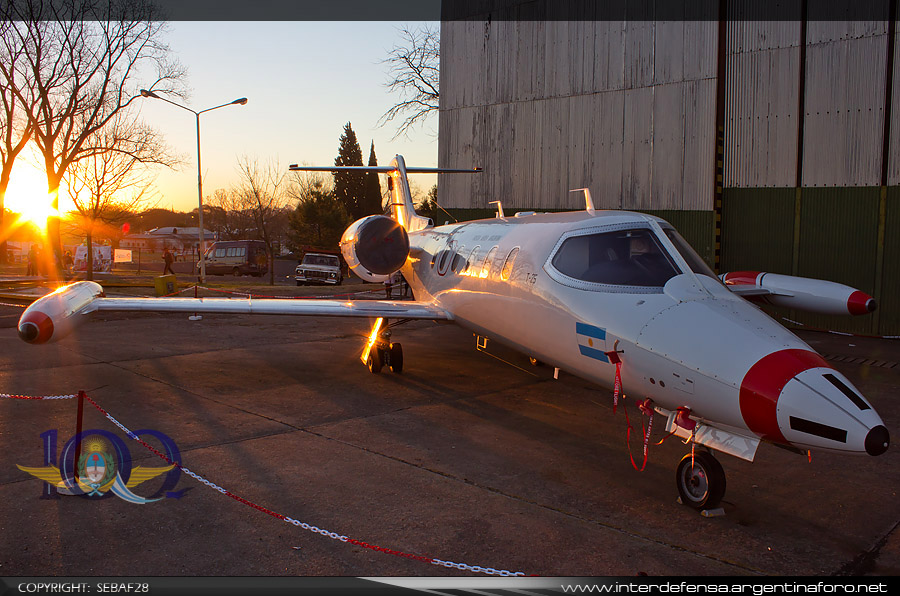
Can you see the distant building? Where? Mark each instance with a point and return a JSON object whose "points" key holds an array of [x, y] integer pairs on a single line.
{"points": [[173, 238]]}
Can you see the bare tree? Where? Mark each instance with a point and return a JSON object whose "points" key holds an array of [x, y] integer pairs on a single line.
{"points": [[83, 57], [107, 188], [414, 71], [15, 128], [262, 191], [230, 214]]}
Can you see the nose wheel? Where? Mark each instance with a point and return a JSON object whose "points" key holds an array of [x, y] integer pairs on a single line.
{"points": [[701, 482]]}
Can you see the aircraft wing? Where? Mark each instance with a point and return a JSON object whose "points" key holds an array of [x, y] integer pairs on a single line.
{"points": [[393, 309], [55, 315]]}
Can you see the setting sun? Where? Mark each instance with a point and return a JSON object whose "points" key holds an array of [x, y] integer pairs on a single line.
{"points": [[27, 194]]}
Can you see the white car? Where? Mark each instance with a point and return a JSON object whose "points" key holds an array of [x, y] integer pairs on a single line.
{"points": [[319, 268]]}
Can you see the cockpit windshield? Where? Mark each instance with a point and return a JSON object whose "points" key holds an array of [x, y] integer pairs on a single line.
{"points": [[623, 257], [696, 263]]}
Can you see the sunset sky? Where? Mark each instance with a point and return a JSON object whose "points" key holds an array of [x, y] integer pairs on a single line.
{"points": [[303, 80]]}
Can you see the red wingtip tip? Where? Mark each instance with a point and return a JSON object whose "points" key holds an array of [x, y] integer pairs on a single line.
{"points": [[860, 303], [35, 328]]}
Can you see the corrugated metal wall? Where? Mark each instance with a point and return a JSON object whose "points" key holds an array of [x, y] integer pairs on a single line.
{"points": [[845, 83], [761, 123], [758, 226], [625, 108]]}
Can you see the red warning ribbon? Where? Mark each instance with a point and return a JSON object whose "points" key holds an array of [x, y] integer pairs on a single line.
{"points": [[645, 407], [617, 385]]}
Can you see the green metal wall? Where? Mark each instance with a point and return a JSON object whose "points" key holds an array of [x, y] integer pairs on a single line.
{"points": [[757, 229], [889, 295]]}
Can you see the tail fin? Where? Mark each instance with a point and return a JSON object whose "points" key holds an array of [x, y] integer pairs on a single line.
{"points": [[402, 208]]}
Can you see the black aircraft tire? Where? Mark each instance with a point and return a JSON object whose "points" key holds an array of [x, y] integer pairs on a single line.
{"points": [[396, 358], [703, 486], [374, 361]]}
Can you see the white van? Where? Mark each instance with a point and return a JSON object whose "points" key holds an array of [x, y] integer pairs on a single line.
{"points": [[236, 257]]}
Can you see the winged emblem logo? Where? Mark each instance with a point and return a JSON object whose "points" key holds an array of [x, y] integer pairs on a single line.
{"points": [[98, 474]]}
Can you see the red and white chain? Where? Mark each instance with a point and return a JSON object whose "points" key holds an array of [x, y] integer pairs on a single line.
{"points": [[13, 396]]}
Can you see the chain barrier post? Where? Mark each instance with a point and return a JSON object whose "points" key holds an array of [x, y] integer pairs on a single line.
{"points": [[78, 426]]}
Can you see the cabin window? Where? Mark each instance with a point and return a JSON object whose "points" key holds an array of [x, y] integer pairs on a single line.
{"points": [[508, 265], [458, 261], [445, 257], [470, 260], [488, 261], [220, 252], [624, 257]]}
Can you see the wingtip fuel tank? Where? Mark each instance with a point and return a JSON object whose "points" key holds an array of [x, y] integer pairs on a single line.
{"points": [[802, 293], [54, 316]]}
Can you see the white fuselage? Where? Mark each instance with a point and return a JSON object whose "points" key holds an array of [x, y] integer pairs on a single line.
{"points": [[688, 343]]}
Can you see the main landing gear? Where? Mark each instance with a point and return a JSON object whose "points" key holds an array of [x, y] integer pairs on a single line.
{"points": [[701, 481], [380, 352]]}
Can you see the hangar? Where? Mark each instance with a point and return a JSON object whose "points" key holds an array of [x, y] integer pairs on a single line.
{"points": [[770, 141]]}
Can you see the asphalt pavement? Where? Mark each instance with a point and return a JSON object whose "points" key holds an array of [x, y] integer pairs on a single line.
{"points": [[463, 457]]}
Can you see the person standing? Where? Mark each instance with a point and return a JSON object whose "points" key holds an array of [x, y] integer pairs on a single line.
{"points": [[169, 259], [32, 260]]}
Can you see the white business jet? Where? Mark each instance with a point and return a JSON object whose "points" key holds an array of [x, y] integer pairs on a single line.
{"points": [[582, 291]]}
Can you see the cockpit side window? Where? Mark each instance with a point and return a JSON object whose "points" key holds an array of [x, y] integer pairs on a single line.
{"points": [[624, 257], [696, 263]]}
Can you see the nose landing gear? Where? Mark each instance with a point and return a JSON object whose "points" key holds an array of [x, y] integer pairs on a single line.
{"points": [[701, 481]]}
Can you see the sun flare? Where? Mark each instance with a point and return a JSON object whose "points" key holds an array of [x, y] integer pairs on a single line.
{"points": [[27, 194]]}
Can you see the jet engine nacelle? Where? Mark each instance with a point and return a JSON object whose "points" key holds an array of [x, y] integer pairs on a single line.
{"points": [[57, 314], [803, 293], [375, 247]]}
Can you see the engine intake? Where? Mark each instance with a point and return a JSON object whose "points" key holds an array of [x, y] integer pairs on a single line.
{"points": [[375, 247]]}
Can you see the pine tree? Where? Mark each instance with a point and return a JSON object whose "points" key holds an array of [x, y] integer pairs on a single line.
{"points": [[350, 187], [372, 202]]}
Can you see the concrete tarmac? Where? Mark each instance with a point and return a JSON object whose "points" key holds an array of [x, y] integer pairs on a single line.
{"points": [[462, 458]]}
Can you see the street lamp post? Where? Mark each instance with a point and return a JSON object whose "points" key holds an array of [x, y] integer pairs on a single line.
{"points": [[241, 101]]}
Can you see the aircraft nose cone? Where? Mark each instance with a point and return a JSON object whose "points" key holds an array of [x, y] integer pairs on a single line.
{"points": [[794, 397], [878, 440]]}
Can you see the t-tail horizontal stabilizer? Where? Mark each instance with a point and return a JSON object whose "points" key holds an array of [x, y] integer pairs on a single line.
{"points": [[402, 208]]}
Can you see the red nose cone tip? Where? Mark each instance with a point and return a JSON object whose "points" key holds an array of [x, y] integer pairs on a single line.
{"points": [[860, 303], [762, 386], [35, 328]]}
